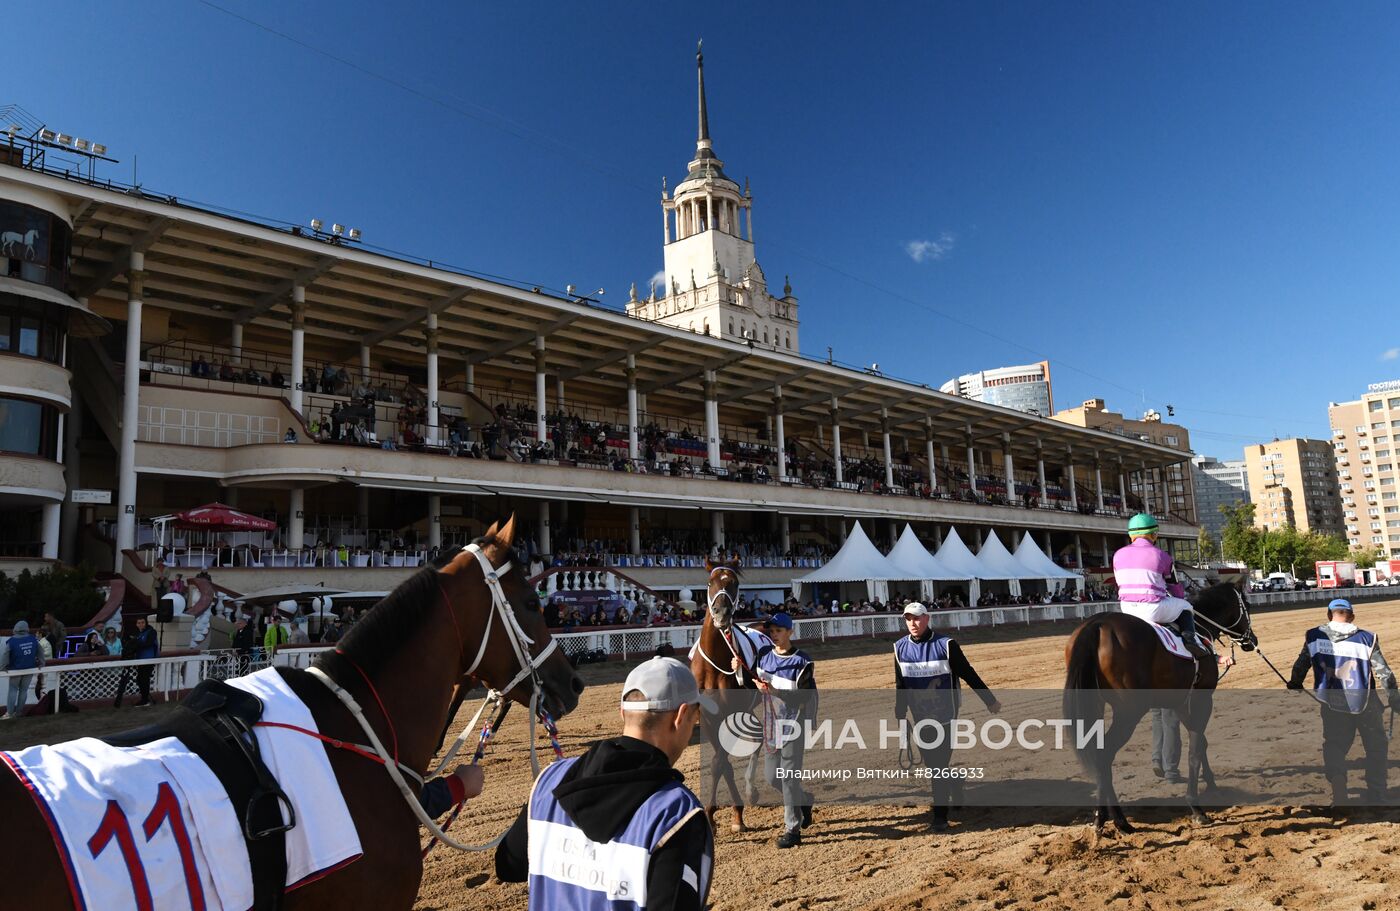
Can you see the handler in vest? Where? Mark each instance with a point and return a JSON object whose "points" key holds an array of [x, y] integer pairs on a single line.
{"points": [[927, 668], [616, 828], [1347, 663], [785, 678]]}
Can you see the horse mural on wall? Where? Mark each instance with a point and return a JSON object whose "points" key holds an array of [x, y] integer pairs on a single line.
{"points": [[11, 239]]}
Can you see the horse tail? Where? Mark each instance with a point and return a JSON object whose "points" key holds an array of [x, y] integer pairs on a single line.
{"points": [[1083, 698]]}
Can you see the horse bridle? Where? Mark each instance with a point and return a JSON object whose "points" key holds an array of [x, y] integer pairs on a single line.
{"points": [[726, 634], [1229, 631], [529, 667]]}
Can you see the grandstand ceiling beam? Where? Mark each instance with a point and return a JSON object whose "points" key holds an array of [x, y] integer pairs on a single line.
{"points": [[520, 340], [414, 319], [792, 405], [121, 261], [283, 290], [763, 386], [717, 363], [612, 357]]}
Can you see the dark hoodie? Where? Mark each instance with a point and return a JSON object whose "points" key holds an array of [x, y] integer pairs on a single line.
{"points": [[600, 794]]}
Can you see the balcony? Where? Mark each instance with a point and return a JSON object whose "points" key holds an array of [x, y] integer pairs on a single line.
{"points": [[37, 380]]}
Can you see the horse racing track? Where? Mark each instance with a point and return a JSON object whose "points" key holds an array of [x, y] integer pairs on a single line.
{"points": [[883, 857], [864, 857]]}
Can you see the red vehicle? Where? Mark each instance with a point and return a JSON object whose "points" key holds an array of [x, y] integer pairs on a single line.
{"points": [[1335, 574]]}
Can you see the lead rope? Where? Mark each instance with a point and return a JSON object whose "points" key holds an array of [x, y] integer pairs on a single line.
{"points": [[487, 730]]}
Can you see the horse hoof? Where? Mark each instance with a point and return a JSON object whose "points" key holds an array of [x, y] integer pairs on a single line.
{"points": [[1125, 827], [1199, 818], [735, 828]]}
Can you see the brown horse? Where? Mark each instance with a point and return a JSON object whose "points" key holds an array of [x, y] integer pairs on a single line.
{"points": [[1116, 659], [401, 664], [712, 666]]}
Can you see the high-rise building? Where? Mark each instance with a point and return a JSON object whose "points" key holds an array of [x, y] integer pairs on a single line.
{"points": [[1218, 484], [712, 283], [1166, 490], [1025, 388], [1294, 483], [1367, 469]]}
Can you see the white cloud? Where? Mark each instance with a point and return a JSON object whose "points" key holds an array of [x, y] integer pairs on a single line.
{"points": [[1391, 354], [924, 250], [658, 281]]}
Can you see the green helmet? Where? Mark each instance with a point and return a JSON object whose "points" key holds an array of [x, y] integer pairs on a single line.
{"points": [[1141, 524]]}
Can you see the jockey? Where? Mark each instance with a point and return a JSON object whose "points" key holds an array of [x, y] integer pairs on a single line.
{"points": [[1347, 665], [1147, 585]]}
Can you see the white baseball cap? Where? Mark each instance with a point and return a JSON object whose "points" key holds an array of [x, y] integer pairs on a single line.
{"points": [[916, 609], [665, 685]]}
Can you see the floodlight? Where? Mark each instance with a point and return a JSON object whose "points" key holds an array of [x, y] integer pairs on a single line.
{"points": [[99, 149], [337, 229], [599, 292], [81, 145], [354, 233], [569, 290], [48, 135], [14, 130], [64, 139], [315, 224]]}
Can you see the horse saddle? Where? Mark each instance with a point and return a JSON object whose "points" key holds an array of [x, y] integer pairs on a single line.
{"points": [[1171, 640], [215, 722]]}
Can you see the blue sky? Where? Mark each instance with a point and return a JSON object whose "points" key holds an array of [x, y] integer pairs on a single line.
{"points": [[1190, 204]]}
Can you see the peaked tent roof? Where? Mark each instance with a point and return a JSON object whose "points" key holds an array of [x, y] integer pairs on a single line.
{"points": [[1029, 555], [997, 562], [912, 560], [955, 557], [857, 561]]}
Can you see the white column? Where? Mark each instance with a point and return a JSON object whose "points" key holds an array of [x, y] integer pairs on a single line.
{"points": [[889, 456], [1098, 484], [709, 212], [836, 442], [296, 519], [236, 340], [543, 538], [712, 420], [633, 444], [1142, 489], [717, 529], [541, 428], [932, 468], [1078, 552], [1073, 491], [469, 377], [431, 431], [559, 392], [131, 396], [68, 512], [781, 435], [785, 534], [434, 520], [1010, 468], [1040, 475], [364, 364], [1107, 553], [748, 218], [665, 224], [51, 513], [634, 531], [298, 345], [971, 462], [1122, 490]]}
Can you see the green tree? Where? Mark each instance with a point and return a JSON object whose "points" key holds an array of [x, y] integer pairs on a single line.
{"points": [[1366, 557], [1240, 540], [67, 593], [1205, 544]]}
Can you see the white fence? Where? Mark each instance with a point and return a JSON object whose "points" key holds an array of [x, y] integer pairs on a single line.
{"points": [[99, 679]]}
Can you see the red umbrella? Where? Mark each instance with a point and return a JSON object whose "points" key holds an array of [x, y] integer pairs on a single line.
{"points": [[218, 517]]}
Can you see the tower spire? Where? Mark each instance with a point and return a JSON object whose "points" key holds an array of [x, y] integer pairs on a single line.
{"points": [[703, 140]]}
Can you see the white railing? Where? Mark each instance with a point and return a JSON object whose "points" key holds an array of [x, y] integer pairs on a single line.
{"points": [[98, 679], [193, 427], [208, 557]]}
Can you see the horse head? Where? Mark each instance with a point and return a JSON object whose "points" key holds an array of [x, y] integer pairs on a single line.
{"points": [[722, 596], [558, 683], [1225, 611]]}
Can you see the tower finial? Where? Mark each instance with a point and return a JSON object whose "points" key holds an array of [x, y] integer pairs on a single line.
{"points": [[704, 136]]}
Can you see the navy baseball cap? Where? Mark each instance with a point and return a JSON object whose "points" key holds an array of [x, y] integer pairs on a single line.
{"points": [[781, 620]]}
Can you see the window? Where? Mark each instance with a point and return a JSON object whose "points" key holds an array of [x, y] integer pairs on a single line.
{"points": [[1377, 405], [1393, 403], [788, 337], [28, 428], [731, 327]]}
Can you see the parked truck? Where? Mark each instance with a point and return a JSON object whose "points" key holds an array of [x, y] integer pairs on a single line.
{"points": [[1335, 574]]}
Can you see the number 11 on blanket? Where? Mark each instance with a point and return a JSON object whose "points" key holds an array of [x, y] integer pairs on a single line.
{"points": [[114, 825]]}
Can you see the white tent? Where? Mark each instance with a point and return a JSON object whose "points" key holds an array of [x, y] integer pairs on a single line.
{"points": [[858, 560], [954, 557], [997, 563], [1029, 555], [913, 562]]}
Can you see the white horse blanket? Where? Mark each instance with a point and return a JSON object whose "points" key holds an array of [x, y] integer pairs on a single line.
{"points": [[1171, 641], [150, 826]]}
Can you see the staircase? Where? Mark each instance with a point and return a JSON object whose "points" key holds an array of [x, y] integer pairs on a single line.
{"points": [[598, 578]]}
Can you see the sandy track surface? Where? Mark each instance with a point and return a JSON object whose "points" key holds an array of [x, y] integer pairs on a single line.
{"points": [[1020, 859]]}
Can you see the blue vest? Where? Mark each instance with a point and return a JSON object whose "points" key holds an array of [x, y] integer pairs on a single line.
{"points": [[1342, 669], [782, 673], [570, 873], [24, 652], [924, 666]]}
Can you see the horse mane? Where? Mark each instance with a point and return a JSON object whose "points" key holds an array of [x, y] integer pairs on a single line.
{"points": [[376, 637]]}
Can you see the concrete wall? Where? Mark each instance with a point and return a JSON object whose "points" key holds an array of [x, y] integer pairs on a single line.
{"points": [[31, 378]]}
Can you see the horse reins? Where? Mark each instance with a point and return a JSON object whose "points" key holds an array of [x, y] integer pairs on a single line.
{"points": [[529, 668]]}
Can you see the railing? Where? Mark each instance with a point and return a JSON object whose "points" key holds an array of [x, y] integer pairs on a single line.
{"points": [[292, 558], [98, 678], [195, 427]]}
